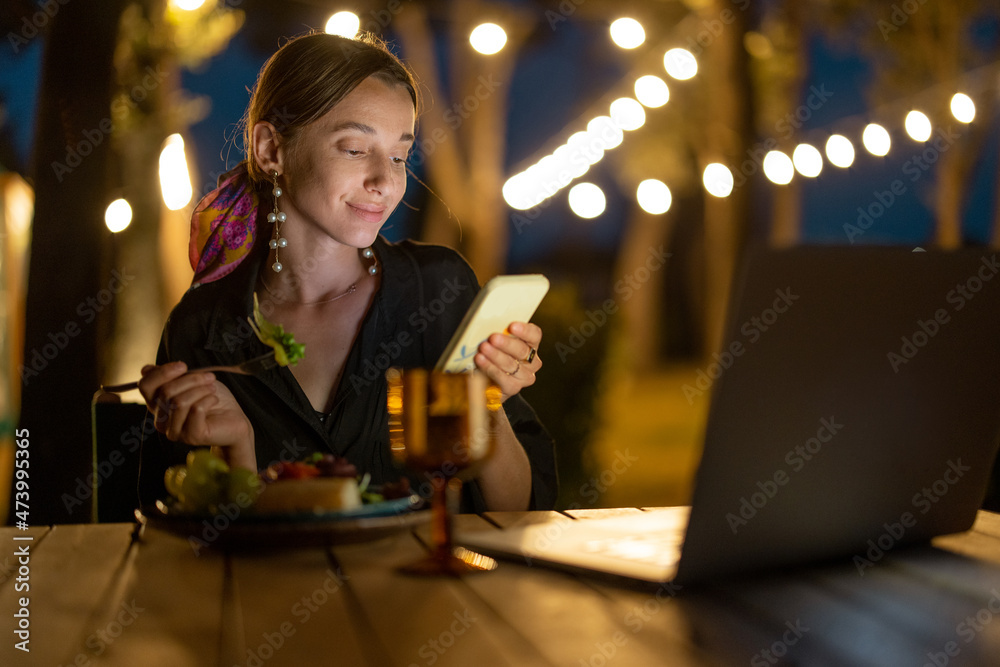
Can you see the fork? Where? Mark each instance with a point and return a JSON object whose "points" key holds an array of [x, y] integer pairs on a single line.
{"points": [[250, 367]]}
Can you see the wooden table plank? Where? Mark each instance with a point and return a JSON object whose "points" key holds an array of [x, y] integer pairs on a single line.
{"points": [[8, 547], [71, 568], [603, 513], [569, 619], [509, 519], [987, 523], [425, 620], [178, 598], [293, 602]]}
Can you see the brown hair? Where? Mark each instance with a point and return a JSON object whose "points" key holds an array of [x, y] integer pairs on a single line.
{"points": [[308, 76]]}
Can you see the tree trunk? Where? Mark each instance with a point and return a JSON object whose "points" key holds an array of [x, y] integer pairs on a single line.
{"points": [[727, 132], [70, 283], [641, 312], [463, 138]]}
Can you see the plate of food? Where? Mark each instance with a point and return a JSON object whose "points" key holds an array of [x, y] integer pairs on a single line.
{"points": [[319, 501]]}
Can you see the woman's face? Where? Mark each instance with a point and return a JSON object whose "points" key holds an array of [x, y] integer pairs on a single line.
{"points": [[346, 172]]}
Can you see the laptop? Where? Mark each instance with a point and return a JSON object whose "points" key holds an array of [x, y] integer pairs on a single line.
{"points": [[855, 409]]}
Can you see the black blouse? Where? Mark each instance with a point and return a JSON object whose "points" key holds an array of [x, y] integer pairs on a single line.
{"points": [[424, 293]]}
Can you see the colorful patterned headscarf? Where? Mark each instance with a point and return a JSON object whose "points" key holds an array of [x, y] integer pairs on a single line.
{"points": [[223, 226]]}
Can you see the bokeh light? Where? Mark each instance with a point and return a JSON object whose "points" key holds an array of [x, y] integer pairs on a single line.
{"points": [[840, 151], [187, 5], [963, 108], [345, 24], [118, 215], [488, 38], [808, 160], [627, 33], [604, 131], [653, 196], [918, 125], [652, 91], [175, 181], [718, 180], [627, 113], [680, 64], [587, 200], [778, 168], [876, 140]]}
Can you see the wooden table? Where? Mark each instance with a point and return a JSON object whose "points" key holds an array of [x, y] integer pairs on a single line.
{"points": [[98, 598]]}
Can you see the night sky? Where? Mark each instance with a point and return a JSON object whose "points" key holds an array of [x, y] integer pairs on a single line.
{"points": [[556, 79]]}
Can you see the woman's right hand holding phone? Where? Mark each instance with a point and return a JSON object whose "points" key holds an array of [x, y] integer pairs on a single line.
{"points": [[198, 410]]}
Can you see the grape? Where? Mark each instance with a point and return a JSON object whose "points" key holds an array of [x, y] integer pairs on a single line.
{"points": [[201, 492], [203, 487], [199, 460], [243, 486]]}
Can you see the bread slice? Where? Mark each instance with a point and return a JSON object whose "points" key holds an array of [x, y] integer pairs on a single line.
{"points": [[314, 494]]}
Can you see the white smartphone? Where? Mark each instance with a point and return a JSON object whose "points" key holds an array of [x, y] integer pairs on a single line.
{"points": [[502, 300]]}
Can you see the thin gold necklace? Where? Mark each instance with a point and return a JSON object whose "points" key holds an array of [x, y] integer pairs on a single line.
{"points": [[350, 290]]}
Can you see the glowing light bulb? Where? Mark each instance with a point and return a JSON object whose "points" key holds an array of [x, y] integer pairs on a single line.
{"points": [[680, 64], [345, 24], [652, 91], [175, 181], [488, 38], [627, 33], [654, 196], [963, 108], [627, 113], [118, 215], [877, 140], [778, 168], [808, 160], [587, 200], [918, 125], [718, 180], [840, 151]]}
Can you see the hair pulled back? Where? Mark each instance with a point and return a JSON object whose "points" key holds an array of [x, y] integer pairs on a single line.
{"points": [[308, 76]]}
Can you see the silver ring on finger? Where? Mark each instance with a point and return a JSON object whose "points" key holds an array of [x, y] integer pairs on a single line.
{"points": [[531, 355]]}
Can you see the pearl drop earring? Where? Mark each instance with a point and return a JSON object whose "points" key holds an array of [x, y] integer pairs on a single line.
{"points": [[368, 253], [276, 218]]}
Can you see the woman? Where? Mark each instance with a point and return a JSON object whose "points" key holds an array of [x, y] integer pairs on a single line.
{"points": [[327, 133]]}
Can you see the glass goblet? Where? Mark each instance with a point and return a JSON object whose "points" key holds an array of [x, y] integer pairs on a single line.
{"points": [[440, 426]]}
